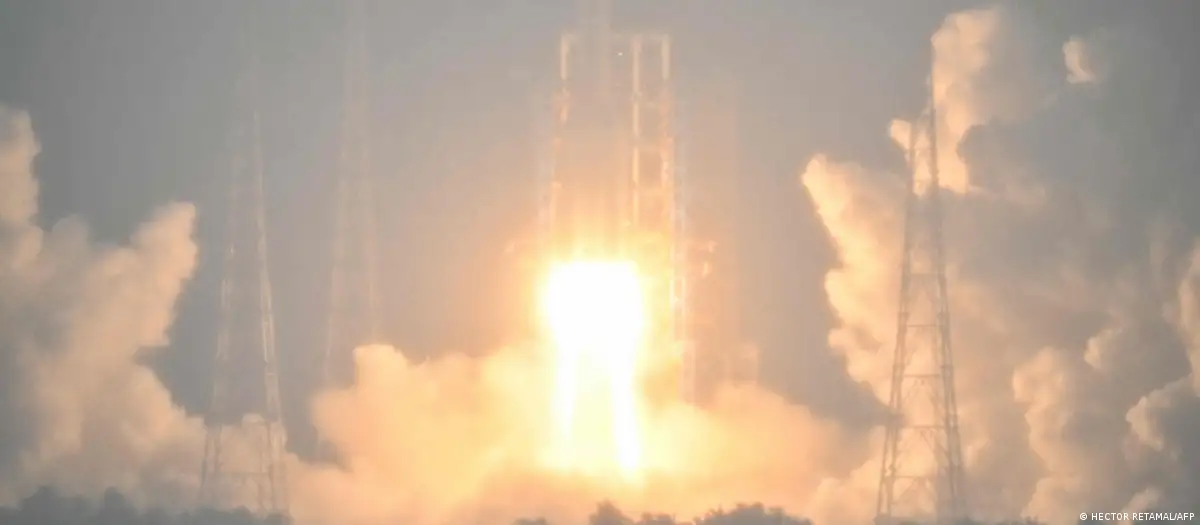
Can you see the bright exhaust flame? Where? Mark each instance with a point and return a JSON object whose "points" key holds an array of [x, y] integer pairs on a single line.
{"points": [[596, 317]]}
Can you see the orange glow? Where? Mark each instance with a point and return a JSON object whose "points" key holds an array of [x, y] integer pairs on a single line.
{"points": [[596, 316]]}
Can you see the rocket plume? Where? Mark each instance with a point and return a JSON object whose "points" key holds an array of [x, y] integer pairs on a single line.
{"points": [[596, 318]]}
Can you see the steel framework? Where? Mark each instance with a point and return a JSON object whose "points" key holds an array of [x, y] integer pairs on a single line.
{"points": [[245, 436], [616, 91], [921, 474], [354, 315]]}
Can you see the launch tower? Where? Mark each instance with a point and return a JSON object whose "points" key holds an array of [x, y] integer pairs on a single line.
{"points": [[613, 189], [921, 476]]}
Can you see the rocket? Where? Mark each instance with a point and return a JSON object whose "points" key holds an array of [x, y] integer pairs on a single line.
{"points": [[592, 162]]}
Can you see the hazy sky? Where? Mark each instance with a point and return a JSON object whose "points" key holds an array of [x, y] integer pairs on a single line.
{"points": [[130, 100]]}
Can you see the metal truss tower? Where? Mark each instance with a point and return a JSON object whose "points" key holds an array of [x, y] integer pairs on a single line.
{"points": [[245, 437], [921, 475], [614, 173], [354, 315]]}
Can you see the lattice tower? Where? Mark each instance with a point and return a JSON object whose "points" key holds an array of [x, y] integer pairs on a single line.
{"points": [[921, 475], [245, 436]]}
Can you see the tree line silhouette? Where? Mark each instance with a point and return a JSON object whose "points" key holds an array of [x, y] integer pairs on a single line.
{"points": [[50, 507]]}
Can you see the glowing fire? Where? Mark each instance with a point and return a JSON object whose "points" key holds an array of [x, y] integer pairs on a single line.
{"points": [[596, 316]]}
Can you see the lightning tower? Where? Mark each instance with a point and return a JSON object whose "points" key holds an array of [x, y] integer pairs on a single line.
{"points": [[612, 185], [245, 439], [354, 304], [921, 475]]}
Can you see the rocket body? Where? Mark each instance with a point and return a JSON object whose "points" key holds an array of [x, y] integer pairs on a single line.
{"points": [[592, 167]]}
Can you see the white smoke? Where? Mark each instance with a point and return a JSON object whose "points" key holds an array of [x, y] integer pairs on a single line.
{"points": [[79, 411], [460, 440], [1072, 297]]}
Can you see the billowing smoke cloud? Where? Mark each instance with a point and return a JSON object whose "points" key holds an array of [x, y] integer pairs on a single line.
{"points": [[1072, 268], [78, 409], [461, 439], [1076, 301]]}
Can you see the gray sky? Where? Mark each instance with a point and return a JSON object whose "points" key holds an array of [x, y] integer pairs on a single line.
{"points": [[130, 97]]}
